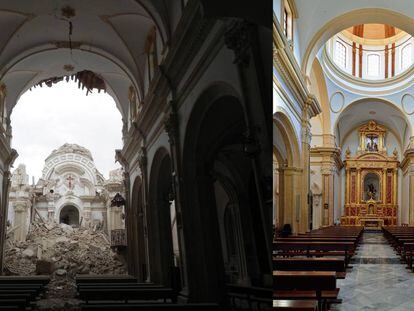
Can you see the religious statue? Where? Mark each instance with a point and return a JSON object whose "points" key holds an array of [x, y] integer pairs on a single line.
{"points": [[395, 153], [348, 153], [369, 146], [371, 192], [372, 144]]}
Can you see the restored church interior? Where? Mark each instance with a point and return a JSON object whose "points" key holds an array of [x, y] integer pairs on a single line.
{"points": [[185, 223], [343, 155]]}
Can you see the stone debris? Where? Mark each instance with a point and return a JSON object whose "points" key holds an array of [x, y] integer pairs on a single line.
{"points": [[62, 252]]}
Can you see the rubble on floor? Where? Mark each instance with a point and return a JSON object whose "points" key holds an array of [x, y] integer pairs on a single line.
{"points": [[62, 252]]}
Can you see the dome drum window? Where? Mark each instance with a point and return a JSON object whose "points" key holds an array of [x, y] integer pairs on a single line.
{"points": [[363, 53]]}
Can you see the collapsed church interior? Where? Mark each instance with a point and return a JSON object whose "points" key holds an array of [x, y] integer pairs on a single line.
{"points": [[192, 204], [343, 154]]}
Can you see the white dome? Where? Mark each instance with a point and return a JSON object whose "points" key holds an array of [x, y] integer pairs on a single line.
{"points": [[71, 148]]}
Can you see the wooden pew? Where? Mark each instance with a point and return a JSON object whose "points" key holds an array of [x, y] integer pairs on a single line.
{"points": [[311, 264], [318, 249], [254, 296], [127, 294], [105, 278], [402, 239], [319, 285], [20, 291], [297, 305], [38, 279], [83, 286], [152, 307]]}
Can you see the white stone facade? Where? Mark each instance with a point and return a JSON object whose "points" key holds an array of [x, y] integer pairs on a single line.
{"points": [[71, 191]]}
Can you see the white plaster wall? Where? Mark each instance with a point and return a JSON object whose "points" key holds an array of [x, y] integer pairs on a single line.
{"points": [[278, 142], [277, 9], [316, 128], [351, 142]]}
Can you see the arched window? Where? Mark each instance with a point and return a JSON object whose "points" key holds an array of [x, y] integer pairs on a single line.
{"points": [[406, 56], [373, 65], [340, 54], [287, 20]]}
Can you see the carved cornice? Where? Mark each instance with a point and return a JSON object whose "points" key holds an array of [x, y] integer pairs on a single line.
{"points": [[331, 156], [408, 160], [189, 36], [131, 147], [284, 61]]}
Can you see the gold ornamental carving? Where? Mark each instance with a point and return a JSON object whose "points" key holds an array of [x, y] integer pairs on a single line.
{"points": [[371, 180]]}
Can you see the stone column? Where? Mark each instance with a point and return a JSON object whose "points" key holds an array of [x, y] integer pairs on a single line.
{"points": [[411, 197], [395, 187], [305, 186], [384, 185], [21, 221], [11, 155], [172, 129], [407, 165], [281, 203], [143, 165], [329, 169], [241, 38]]}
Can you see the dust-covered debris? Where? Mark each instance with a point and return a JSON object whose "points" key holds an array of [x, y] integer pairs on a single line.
{"points": [[62, 252]]}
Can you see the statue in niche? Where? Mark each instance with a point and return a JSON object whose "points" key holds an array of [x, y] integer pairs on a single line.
{"points": [[371, 192], [372, 143]]}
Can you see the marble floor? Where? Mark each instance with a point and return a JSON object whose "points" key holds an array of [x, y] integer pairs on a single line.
{"points": [[378, 280]]}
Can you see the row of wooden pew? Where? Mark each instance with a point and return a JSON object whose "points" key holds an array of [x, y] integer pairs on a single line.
{"points": [[402, 240], [307, 266], [121, 292], [20, 292]]}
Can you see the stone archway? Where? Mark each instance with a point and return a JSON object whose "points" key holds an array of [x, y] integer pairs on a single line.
{"points": [[69, 215], [214, 145], [286, 151], [160, 236]]}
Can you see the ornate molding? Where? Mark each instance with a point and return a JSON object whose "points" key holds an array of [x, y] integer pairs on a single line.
{"points": [[237, 38], [142, 159], [171, 127], [285, 63]]}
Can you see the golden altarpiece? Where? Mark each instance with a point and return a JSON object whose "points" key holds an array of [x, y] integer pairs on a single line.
{"points": [[371, 181]]}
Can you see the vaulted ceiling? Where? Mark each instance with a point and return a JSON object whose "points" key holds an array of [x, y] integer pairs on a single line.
{"points": [[49, 38], [367, 109]]}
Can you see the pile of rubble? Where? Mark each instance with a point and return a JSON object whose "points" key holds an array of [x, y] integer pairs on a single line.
{"points": [[62, 252]]}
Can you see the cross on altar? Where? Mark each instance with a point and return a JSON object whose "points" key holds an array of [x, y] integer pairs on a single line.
{"points": [[70, 179]]}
